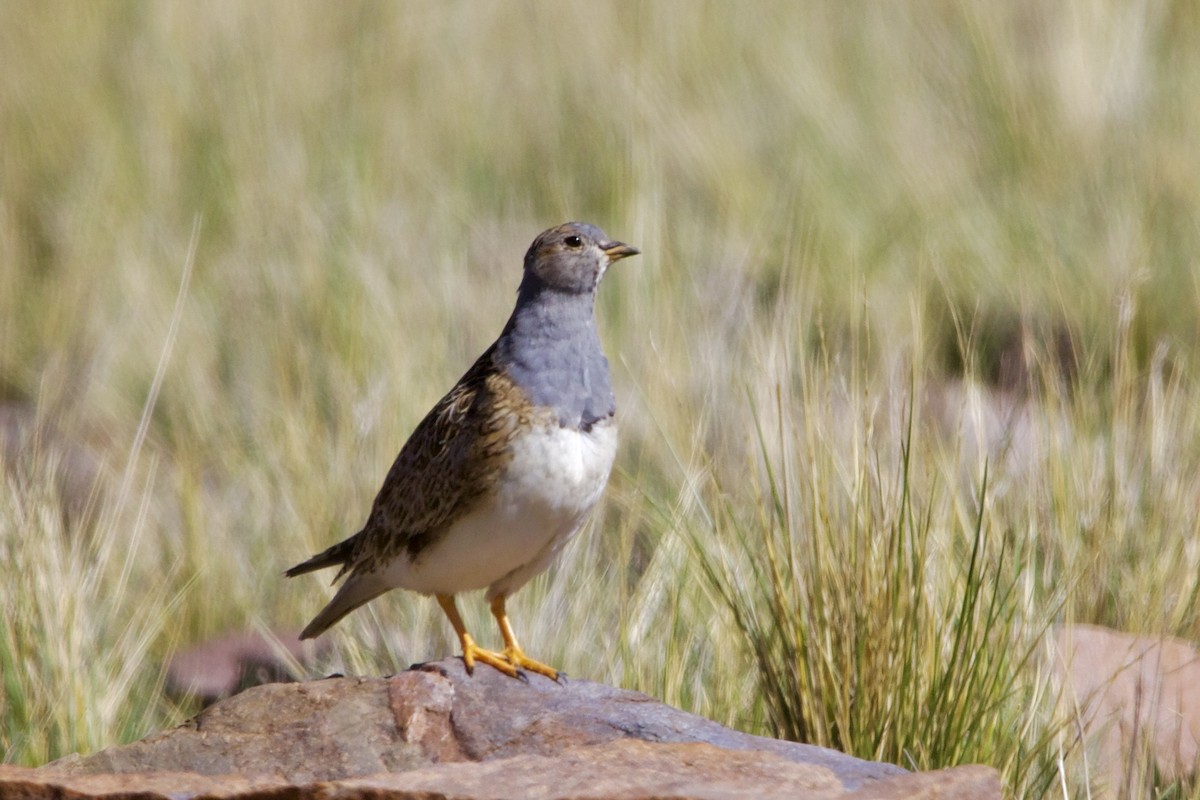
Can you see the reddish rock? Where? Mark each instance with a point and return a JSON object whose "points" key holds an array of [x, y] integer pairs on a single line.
{"points": [[1136, 700], [620, 770], [229, 664], [433, 731], [32, 448]]}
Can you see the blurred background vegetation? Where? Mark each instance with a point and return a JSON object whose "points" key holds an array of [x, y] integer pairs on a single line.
{"points": [[888, 249]]}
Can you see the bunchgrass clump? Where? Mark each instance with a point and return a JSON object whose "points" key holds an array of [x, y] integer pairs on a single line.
{"points": [[85, 627], [881, 618]]}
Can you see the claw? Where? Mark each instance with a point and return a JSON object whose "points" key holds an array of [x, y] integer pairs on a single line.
{"points": [[473, 652], [515, 656], [512, 661]]}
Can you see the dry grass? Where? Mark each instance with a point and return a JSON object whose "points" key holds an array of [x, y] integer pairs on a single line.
{"points": [[835, 203]]}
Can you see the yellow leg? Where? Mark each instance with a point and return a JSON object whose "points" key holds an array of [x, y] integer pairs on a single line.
{"points": [[471, 651], [512, 651]]}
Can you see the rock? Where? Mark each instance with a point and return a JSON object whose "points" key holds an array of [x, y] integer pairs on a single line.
{"points": [[1137, 701], [1003, 426], [229, 664], [433, 731], [32, 450], [621, 770]]}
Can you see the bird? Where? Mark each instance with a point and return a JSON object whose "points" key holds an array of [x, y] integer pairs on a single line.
{"points": [[505, 468]]}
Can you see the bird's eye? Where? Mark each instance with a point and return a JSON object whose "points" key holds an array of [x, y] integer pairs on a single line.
{"points": [[573, 241]]}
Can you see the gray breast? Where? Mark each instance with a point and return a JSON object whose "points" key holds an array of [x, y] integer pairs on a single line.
{"points": [[551, 350]]}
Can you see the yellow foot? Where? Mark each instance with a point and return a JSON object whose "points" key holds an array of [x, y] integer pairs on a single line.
{"points": [[473, 652], [510, 662], [519, 660]]}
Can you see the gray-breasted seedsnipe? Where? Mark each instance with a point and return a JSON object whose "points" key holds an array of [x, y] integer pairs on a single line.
{"points": [[504, 469]]}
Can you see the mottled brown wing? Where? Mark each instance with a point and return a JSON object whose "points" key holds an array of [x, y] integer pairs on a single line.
{"points": [[453, 460]]}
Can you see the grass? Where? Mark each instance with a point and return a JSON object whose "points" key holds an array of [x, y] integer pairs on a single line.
{"points": [[888, 250], [864, 639]]}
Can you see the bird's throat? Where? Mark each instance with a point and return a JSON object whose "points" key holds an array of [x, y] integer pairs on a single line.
{"points": [[551, 350]]}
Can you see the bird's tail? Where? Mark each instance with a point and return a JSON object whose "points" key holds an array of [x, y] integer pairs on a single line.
{"points": [[339, 555], [357, 590]]}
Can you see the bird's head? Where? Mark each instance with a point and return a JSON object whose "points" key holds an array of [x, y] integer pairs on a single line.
{"points": [[571, 258]]}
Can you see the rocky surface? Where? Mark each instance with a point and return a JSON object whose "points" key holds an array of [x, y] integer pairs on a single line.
{"points": [[224, 666], [434, 732], [1136, 700], [34, 450]]}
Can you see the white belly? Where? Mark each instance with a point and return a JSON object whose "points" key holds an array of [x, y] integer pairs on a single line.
{"points": [[555, 477]]}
